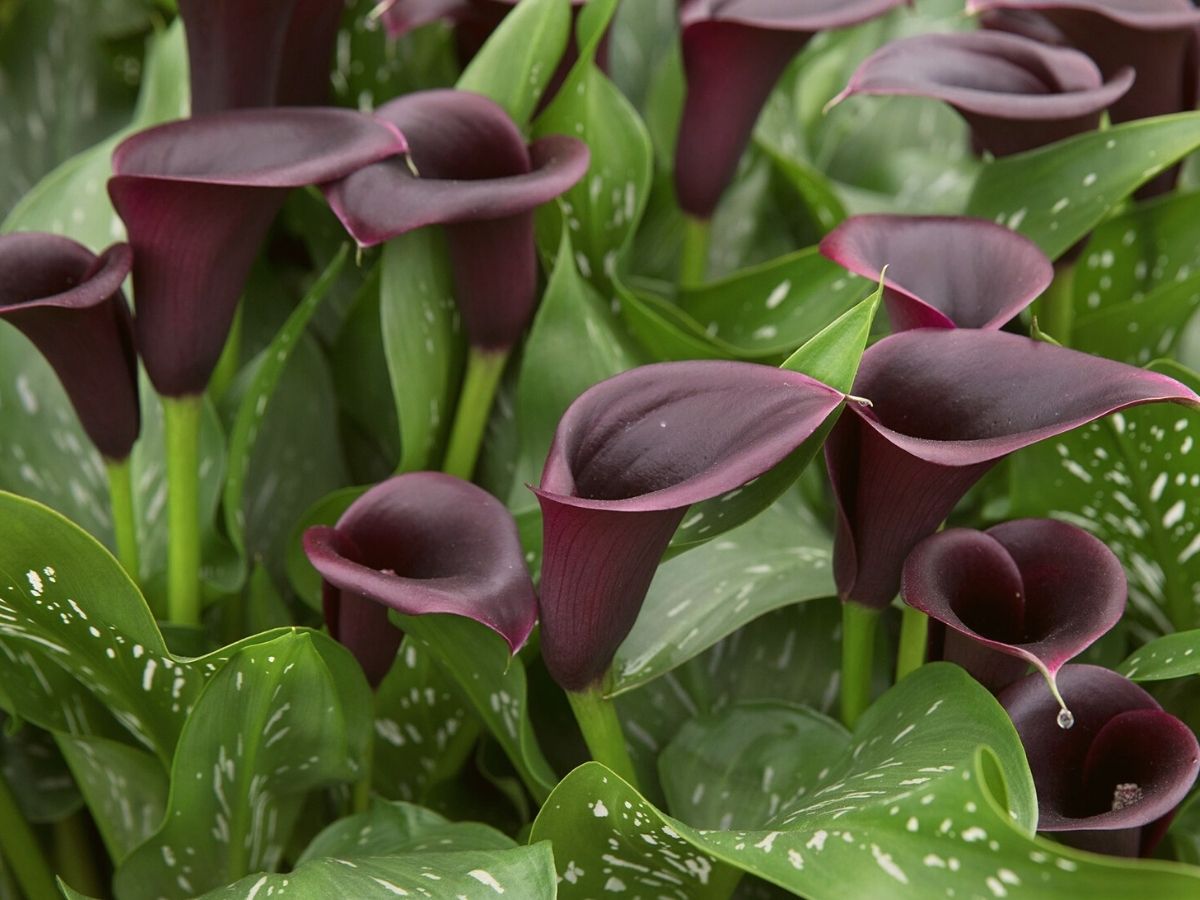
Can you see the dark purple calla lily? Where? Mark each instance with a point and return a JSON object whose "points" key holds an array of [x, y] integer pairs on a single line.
{"points": [[478, 178], [68, 302], [251, 53], [629, 457], [1016, 93], [420, 543], [1158, 38], [947, 404], [942, 272], [1112, 782], [1029, 592], [733, 53], [197, 197]]}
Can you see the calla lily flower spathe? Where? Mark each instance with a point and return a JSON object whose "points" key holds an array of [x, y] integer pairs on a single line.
{"points": [[419, 543]]}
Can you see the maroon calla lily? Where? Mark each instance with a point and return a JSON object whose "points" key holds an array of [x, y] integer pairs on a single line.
{"points": [[252, 53], [420, 543], [197, 196], [478, 178], [69, 303], [946, 405], [1111, 783], [1158, 38], [629, 456], [942, 271], [1028, 592], [733, 53], [1015, 93]]}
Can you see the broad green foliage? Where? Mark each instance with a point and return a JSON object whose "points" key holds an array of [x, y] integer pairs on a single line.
{"points": [[280, 718], [421, 339], [516, 64], [1131, 479], [1172, 656], [1056, 194], [36, 773], [931, 794]]}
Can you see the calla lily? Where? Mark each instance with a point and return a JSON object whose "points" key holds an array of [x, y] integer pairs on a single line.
{"points": [[946, 405], [942, 272], [250, 53], [68, 302], [1112, 782], [733, 53], [477, 177], [629, 456], [197, 197], [1158, 38], [1029, 592], [420, 543], [1016, 93]]}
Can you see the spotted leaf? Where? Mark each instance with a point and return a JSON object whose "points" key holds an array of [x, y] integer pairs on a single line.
{"points": [[1172, 656]]}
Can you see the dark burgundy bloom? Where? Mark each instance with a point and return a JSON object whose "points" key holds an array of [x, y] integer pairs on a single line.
{"points": [[249, 53], [1112, 782], [1158, 38], [477, 177], [68, 302], [942, 272], [420, 543], [947, 404], [733, 53], [1015, 93], [1028, 592], [629, 457], [197, 197]]}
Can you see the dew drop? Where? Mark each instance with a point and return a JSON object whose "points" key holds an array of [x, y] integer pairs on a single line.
{"points": [[1065, 719]]}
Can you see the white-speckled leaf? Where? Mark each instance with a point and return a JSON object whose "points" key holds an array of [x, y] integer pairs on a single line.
{"points": [[1133, 480], [280, 718], [1056, 194], [780, 557], [389, 829], [1172, 656], [933, 795]]}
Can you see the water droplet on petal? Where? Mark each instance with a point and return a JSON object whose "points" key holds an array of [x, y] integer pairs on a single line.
{"points": [[1065, 719]]}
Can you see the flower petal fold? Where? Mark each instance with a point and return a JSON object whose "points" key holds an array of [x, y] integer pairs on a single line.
{"points": [[733, 53], [420, 543], [1035, 590], [942, 271], [197, 196], [1112, 781], [478, 178], [947, 404], [1016, 93], [630, 455], [69, 303]]}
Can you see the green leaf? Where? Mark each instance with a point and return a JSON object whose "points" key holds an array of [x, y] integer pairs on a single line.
{"points": [[778, 558], [422, 341], [36, 774], [125, 789], [250, 421], [1057, 194], [390, 829], [932, 795], [1171, 656], [1140, 330], [494, 683], [304, 579], [280, 718], [1130, 479], [604, 208], [520, 56]]}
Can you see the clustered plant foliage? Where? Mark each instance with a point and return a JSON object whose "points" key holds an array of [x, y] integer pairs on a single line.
{"points": [[678, 449]]}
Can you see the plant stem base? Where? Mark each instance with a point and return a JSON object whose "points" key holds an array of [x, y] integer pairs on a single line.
{"points": [[914, 634], [597, 718], [120, 493], [693, 261], [181, 423], [484, 370], [858, 656]]}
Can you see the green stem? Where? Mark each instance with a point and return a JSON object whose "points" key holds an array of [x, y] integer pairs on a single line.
{"points": [[181, 423], [597, 718], [120, 494], [361, 798], [858, 657], [1056, 307], [228, 362], [73, 855], [693, 262], [21, 850], [914, 632], [484, 368]]}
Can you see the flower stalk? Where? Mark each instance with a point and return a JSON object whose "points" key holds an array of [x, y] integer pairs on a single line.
{"points": [[485, 367], [20, 848], [914, 636], [181, 424], [120, 493], [859, 624], [597, 718], [693, 261]]}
